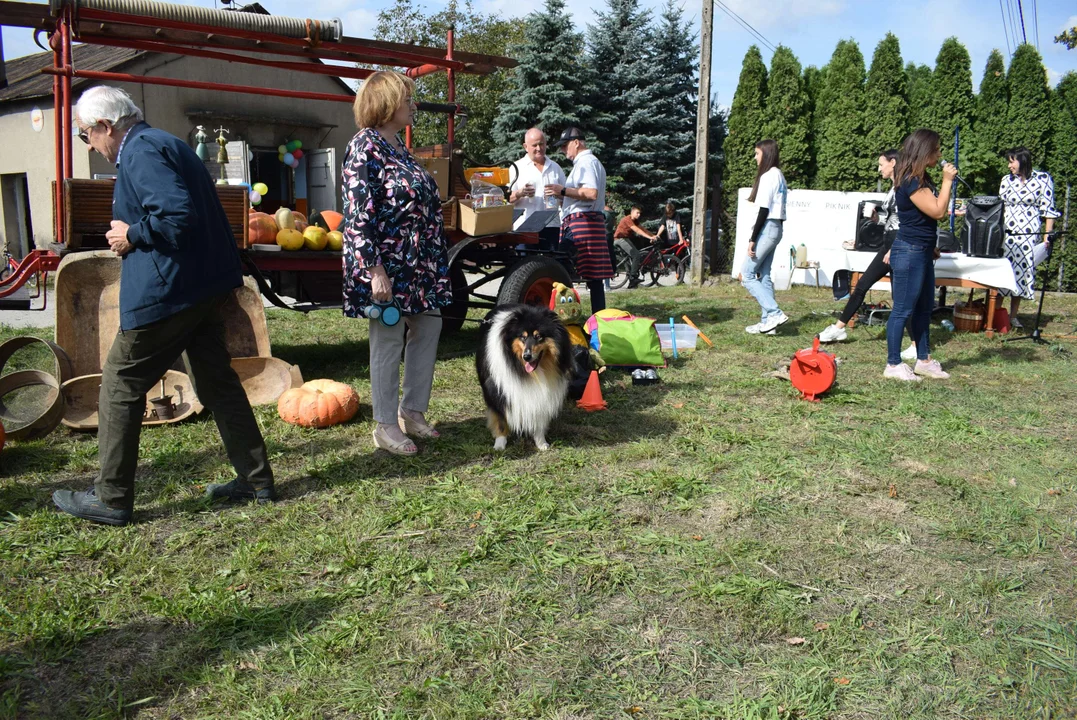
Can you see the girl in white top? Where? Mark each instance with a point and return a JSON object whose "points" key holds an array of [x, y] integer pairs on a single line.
{"points": [[769, 193]]}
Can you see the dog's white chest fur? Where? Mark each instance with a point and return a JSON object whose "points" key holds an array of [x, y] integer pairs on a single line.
{"points": [[531, 402]]}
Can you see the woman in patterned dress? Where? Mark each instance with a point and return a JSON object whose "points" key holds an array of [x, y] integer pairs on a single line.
{"points": [[1028, 195], [394, 249]]}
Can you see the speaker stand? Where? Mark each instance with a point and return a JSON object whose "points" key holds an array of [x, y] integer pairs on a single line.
{"points": [[1036, 335]]}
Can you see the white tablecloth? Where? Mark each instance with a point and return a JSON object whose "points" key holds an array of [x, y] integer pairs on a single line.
{"points": [[993, 272]]}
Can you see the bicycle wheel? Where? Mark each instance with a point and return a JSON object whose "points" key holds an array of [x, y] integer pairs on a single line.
{"points": [[667, 271], [621, 265]]}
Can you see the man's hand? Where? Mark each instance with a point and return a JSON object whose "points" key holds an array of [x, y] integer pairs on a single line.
{"points": [[751, 250], [117, 238], [554, 189], [380, 285]]}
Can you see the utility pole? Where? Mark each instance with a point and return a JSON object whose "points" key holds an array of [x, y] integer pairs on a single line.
{"points": [[703, 112]]}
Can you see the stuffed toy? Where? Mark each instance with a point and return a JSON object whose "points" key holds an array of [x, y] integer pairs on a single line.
{"points": [[565, 302]]}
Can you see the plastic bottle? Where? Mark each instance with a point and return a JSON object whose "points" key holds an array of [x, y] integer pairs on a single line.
{"points": [[802, 255], [947, 324]]}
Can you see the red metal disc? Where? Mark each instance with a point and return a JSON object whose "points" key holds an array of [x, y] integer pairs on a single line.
{"points": [[813, 372]]}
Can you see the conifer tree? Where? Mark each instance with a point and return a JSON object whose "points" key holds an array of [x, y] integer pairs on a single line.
{"points": [[788, 118], [886, 97], [547, 90], [744, 127], [1063, 167], [918, 81], [814, 80], [1028, 119], [952, 101], [982, 165], [675, 58], [843, 158]]}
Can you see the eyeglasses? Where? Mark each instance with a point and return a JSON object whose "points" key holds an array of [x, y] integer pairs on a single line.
{"points": [[84, 136]]}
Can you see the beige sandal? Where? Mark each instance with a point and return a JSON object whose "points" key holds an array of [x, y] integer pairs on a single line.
{"points": [[417, 427], [384, 442]]}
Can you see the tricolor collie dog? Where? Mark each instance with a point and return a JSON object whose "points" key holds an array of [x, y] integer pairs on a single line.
{"points": [[524, 364]]}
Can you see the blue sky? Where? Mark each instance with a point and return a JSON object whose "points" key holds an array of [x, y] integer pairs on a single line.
{"points": [[811, 28]]}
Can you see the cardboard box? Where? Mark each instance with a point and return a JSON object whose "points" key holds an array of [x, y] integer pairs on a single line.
{"points": [[485, 221], [439, 170]]}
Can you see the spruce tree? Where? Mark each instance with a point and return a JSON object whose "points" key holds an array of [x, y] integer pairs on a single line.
{"points": [[814, 81], [675, 58], [952, 102], [547, 90], [744, 127], [886, 97], [982, 164], [1028, 119], [844, 160], [788, 119], [918, 82]]}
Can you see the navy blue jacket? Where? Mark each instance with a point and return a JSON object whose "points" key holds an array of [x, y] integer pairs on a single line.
{"points": [[184, 251]]}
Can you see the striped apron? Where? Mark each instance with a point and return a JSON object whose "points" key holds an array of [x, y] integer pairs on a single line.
{"points": [[586, 233]]}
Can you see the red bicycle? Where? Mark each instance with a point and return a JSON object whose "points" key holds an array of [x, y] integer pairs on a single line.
{"points": [[660, 265]]}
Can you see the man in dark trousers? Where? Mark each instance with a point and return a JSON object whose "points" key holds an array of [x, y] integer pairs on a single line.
{"points": [[180, 265]]}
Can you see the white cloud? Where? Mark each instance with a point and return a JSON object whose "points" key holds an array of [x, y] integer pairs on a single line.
{"points": [[1053, 76], [1071, 23]]}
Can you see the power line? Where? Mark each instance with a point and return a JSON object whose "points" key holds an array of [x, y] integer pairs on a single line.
{"points": [[1013, 23], [1005, 30], [1021, 12], [745, 24], [1036, 23]]}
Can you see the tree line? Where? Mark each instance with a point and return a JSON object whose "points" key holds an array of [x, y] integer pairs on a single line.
{"points": [[832, 122], [629, 82]]}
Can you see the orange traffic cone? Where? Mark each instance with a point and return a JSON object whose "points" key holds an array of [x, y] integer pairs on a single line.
{"points": [[592, 395]]}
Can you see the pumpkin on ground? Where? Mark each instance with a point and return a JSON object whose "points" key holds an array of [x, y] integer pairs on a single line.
{"points": [[318, 404], [263, 229]]}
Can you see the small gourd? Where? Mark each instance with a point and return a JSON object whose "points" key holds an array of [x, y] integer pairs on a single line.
{"points": [[285, 219]]}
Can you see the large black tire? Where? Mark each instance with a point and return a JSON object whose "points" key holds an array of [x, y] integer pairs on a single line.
{"points": [[668, 272], [621, 265], [452, 317], [531, 280]]}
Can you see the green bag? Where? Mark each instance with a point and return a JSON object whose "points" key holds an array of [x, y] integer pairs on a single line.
{"points": [[629, 342]]}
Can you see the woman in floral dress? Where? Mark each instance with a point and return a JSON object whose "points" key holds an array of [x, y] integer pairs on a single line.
{"points": [[394, 250], [1028, 195]]}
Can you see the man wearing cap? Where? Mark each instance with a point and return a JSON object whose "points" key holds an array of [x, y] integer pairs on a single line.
{"points": [[533, 172], [583, 224]]}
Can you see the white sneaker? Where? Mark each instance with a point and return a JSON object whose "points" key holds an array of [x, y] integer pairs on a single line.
{"points": [[930, 369], [909, 353], [754, 329], [773, 321], [901, 371], [833, 333]]}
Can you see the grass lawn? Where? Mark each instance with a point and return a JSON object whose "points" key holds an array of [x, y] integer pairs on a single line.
{"points": [[710, 547]]}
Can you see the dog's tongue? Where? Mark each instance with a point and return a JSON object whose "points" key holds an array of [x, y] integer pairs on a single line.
{"points": [[529, 367]]}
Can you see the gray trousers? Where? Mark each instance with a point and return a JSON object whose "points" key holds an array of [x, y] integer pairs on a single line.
{"points": [[135, 364], [386, 344]]}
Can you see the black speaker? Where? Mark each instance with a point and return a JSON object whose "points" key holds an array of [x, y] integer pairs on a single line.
{"points": [[983, 235], [869, 233], [946, 242]]}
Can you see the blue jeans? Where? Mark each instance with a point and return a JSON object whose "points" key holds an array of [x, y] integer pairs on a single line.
{"points": [[755, 274], [912, 282]]}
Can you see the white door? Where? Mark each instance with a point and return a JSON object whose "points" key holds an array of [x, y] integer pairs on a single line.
{"points": [[322, 191]]}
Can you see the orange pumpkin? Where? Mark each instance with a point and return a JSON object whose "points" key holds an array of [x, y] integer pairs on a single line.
{"points": [[300, 221], [318, 404], [332, 219], [263, 229]]}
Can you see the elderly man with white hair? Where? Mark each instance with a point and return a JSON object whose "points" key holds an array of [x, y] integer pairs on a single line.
{"points": [[180, 265], [534, 171]]}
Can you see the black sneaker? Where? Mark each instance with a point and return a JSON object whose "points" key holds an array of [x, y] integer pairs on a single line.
{"points": [[88, 506], [240, 491]]}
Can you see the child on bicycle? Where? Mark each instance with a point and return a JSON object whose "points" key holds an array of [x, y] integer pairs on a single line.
{"points": [[622, 238]]}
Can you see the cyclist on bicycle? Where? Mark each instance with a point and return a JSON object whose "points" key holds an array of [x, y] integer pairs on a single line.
{"points": [[622, 238]]}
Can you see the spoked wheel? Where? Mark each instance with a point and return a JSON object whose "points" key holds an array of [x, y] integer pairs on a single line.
{"points": [[531, 282], [621, 266], [667, 271]]}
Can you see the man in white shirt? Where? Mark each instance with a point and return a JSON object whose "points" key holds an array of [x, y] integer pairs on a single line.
{"points": [[583, 224], [533, 172]]}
